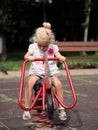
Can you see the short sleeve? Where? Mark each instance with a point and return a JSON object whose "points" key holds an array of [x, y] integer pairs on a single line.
{"points": [[56, 48], [31, 48]]}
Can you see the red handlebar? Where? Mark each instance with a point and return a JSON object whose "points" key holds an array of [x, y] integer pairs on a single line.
{"points": [[22, 85]]}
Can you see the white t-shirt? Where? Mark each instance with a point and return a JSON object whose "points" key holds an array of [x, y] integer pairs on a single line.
{"points": [[37, 67]]}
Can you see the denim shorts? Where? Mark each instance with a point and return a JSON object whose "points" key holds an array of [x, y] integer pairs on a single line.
{"points": [[41, 76]]}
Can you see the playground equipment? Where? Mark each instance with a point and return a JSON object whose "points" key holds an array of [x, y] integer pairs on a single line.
{"points": [[45, 99]]}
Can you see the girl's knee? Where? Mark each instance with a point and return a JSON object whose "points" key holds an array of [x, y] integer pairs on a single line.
{"points": [[59, 85]]}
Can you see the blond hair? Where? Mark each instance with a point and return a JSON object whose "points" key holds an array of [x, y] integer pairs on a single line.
{"points": [[43, 34]]}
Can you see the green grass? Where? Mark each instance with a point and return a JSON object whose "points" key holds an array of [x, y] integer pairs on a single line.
{"points": [[14, 61], [83, 63]]}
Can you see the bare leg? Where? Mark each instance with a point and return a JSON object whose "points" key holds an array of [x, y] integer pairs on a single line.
{"points": [[28, 90], [28, 95], [59, 90]]}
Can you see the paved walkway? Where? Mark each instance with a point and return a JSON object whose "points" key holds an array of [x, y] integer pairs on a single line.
{"points": [[72, 72], [84, 116]]}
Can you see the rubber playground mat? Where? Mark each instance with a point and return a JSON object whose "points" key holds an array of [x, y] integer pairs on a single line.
{"points": [[84, 116]]}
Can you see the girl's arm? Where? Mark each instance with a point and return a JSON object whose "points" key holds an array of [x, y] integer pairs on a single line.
{"points": [[29, 56], [59, 56]]}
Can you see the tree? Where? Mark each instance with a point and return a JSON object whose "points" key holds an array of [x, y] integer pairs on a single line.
{"points": [[6, 24], [18, 18], [87, 10], [44, 2], [10, 8]]}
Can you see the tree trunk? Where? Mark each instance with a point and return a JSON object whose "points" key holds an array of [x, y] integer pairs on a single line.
{"points": [[88, 8], [86, 29], [3, 54]]}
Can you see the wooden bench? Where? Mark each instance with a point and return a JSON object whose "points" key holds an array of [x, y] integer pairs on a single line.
{"points": [[77, 46]]}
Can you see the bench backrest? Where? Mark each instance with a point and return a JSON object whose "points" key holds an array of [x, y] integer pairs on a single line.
{"points": [[77, 46]]}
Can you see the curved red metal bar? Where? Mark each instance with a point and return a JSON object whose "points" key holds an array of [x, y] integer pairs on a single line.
{"points": [[71, 87], [33, 103]]}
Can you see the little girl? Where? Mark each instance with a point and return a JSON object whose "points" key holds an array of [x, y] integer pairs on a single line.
{"points": [[43, 40]]}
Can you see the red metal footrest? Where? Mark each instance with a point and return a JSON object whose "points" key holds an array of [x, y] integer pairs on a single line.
{"points": [[39, 114], [41, 120], [37, 107], [49, 124]]}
